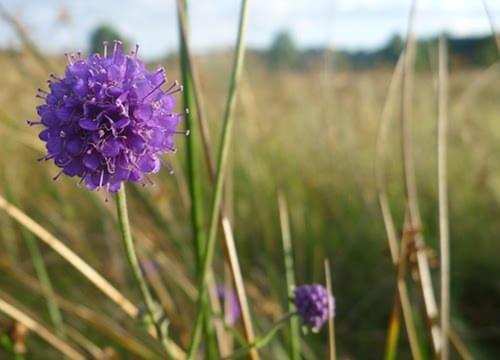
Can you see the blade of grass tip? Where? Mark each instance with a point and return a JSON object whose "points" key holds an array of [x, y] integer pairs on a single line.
{"points": [[444, 225], [193, 172], [8, 308], [289, 274], [332, 350], [222, 162], [494, 33], [41, 271], [205, 137], [193, 72], [97, 321], [425, 280], [128, 243]]}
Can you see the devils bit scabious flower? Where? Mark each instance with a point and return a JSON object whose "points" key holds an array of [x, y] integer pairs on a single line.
{"points": [[311, 302], [233, 311], [107, 120]]}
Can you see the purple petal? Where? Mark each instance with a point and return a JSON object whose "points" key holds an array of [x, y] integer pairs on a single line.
{"points": [[74, 146], [55, 145], [111, 147], [88, 124], [92, 161], [120, 124], [135, 142], [80, 88], [135, 176], [74, 168], [44, 135], [149, 164], [143, 112]]}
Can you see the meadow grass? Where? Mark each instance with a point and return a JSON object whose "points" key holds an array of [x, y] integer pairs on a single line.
{"points": [[310, 134]]}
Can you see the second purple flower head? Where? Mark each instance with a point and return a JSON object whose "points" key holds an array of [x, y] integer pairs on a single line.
{"points": [[312, 303]]}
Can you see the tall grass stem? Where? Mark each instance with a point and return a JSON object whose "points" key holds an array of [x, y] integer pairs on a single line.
{"points": [[222, 163], [444, 226]]}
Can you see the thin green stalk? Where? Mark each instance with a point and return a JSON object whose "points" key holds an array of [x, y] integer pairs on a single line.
{"points": [[128, 243], [219, 182], [289, 274], [264, 339], [43, 276], [194, 179]]}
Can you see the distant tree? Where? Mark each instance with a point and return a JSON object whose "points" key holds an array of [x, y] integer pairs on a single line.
{"points": [[283, 53], [394, 48], [105, 33]]}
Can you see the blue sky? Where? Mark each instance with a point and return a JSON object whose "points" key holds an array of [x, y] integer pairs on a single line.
{"points": [[352, 24]]}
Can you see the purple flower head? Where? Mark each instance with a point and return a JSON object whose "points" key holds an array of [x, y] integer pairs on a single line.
{"points": [[107, 120], [311, 302], [233, 311]]}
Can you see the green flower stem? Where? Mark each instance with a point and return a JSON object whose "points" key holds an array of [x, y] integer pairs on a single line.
{"points": [[219, 182], [128, 243], [264, 339]]}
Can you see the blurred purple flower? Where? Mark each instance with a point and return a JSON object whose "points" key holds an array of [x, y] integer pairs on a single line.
{"points": [[311, 302], [233, 314], [149, 266], [107, 120]]}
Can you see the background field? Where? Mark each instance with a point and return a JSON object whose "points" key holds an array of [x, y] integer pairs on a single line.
{"points": [[309, 133]]}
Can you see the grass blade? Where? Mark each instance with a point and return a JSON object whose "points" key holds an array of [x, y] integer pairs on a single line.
{"points": [[222, 163], [41, 271], [431, 310], [86, 270], [193, 169], [229, 243], [289, 274], [444, 226]]}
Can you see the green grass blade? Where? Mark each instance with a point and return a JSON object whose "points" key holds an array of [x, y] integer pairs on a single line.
{"points": [[222, 163], [194, 177], [289, 275]]}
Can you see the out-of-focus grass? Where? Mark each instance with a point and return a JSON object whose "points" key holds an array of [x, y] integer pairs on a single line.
{"points": [[313, 138]]}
